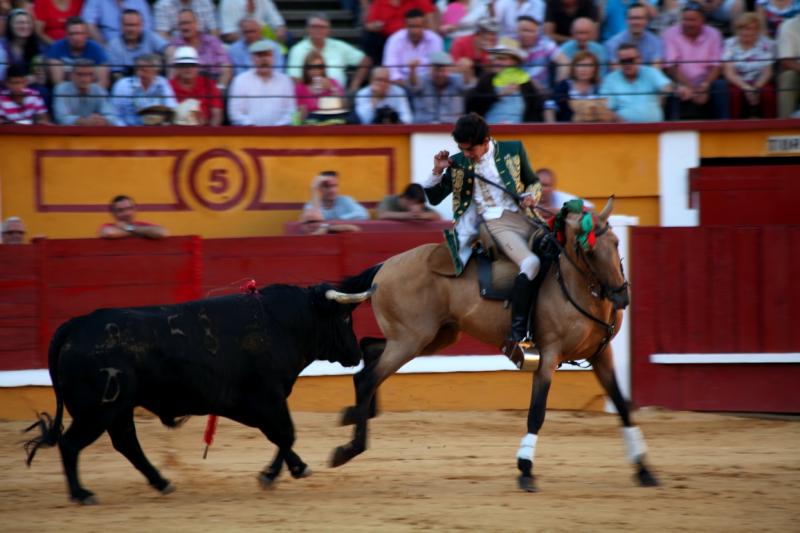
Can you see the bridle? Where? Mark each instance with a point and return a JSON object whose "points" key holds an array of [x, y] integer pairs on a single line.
{"points": [[605, 291]]}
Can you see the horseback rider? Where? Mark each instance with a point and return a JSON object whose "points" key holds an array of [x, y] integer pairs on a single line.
{"points": [[498, 175]]}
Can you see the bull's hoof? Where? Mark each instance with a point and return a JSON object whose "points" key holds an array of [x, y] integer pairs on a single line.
{"points": [[348, 416], [267, 480], [84, 497], [305, 471], [169, 488], [343, 454], [644, 478], [526, 483]]}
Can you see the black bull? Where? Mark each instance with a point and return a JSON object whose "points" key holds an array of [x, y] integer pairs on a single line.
{"points": [[234, 356]]}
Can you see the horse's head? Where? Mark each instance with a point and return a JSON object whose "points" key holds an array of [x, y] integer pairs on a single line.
{"points": [[594, 244]]}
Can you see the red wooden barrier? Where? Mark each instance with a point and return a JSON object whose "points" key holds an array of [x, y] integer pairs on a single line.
{"points": [[714, 290]]}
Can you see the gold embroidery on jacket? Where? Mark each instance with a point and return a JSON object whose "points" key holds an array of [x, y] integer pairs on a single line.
{"points": [[514, 166], [458, 184]]}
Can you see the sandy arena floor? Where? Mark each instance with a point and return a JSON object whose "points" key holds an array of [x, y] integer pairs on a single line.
{"points": [[427, 471]]}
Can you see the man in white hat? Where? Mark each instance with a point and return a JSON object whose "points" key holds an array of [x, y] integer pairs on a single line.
{"points": [[189, 84], [261, 96]]}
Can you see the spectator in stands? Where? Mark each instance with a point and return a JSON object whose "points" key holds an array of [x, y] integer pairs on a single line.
{"points": [[385, 17], [13, 231], [37, 80], [540, 51], [381, 102], [261, 96], [583, 83], [614, 18], [232, 12], [21, 43], [506, 94], [190, 85], [692, 51], [472, 49], [104, 17], [552, 200], [214, 60], [123, 209], [313, 223], [167, 15], [584, 31], [132, 42], [338, 55], [251, 30], [334, 206], [408, 49], [18, 103], [507, 13], [748, 57], [81, 102], [407, 206], [142, 92], [562, 13], [648, 44], [3, 63], [460, 18], [51, 18], [789, 78], [439, 93], [76, 45], [634, 90], [775, 12], [314, 85]]}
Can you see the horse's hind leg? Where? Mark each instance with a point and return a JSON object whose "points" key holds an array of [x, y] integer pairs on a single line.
{"points": [[635, 447], [80, 434], [536, 413], [123, 437]]}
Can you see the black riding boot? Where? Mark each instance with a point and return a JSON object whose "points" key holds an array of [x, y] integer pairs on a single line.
{"points": [[521, 300]]}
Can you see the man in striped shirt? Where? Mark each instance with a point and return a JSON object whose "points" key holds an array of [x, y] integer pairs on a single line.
{"points": [[18, 103]]}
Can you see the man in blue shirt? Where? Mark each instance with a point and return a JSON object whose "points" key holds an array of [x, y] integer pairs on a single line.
{"points": [[334, 206], [104, 16], [76, 45], [251, 30], [132, 43], [145, 90], [648, 43], [583, 31], [634, 91]]}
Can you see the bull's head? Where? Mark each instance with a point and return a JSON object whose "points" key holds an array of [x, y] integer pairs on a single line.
{"points": [[335, 324]]}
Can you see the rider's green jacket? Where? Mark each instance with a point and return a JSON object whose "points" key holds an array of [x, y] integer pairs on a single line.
{"points": [[514, 169]]}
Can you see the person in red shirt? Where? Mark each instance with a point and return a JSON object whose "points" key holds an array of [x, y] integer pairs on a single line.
{"points": [[51, 18], [123, 209], [189, 84], [388, 16], [472, 49]]}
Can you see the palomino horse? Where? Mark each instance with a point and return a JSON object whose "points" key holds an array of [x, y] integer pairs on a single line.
{"points": [[579, 310]]}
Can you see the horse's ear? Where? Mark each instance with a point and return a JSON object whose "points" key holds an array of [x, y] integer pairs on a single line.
{"points": [[606, 212]]}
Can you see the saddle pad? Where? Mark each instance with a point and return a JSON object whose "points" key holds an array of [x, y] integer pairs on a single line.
{"points": [[440, 262]]}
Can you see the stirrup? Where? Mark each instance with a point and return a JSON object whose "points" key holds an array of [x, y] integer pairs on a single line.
{"points": [[514, 351]]}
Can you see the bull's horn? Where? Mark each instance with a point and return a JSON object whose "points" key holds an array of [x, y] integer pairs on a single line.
{"points": [[604, 214], [345, 298]]}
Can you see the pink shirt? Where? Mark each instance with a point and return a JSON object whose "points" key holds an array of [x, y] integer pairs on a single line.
{"points": [[400, 51], [706, 48]]}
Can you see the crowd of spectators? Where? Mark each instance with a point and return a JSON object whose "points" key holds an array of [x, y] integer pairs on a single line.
{"points": [[204, 62]]}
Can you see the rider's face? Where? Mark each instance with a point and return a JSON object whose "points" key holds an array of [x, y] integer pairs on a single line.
{"points": [[474, 152]]}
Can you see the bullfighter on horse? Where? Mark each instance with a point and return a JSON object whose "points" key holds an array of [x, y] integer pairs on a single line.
{"points": [[498, 175]]}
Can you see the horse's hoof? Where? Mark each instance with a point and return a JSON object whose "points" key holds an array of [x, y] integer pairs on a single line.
{"points": [[305, 472], [267, 480], [85, 497], [526, 483], [341, 455], [645, 479], [348, 416], [169, 488]]}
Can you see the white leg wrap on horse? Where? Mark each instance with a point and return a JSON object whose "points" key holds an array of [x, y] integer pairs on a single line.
{"points": [[527, 447], [635, 448], [530, 266]]}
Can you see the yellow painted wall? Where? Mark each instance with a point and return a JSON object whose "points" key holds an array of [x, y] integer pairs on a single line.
{"points": [[741, 143]]}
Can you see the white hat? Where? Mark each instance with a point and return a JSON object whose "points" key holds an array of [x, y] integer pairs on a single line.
{"points": [[330, 105], [509, 47], [185, 55], [262, 45]]}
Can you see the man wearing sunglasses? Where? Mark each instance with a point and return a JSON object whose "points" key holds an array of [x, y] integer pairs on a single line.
{"points": [[634, 90]]}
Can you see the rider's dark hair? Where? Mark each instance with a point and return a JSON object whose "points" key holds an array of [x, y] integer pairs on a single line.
{"points": [[471, 129]]}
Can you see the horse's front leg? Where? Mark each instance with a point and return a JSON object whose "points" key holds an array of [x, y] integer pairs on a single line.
{"points": [[635, 447], [536, 412]]}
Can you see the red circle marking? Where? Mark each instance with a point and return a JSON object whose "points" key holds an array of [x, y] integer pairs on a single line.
{"points": [[218, 178]]}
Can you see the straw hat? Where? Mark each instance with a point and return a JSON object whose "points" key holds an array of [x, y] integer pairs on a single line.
{"points": [[330, 105], [509, 47]]}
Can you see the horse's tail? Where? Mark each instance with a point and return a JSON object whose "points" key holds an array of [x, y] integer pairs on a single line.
{"points": [[50, 428], [360, 282]]}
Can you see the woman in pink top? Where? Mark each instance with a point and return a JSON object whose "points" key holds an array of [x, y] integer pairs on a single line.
{"points": [[51, 17], [314, 85]]}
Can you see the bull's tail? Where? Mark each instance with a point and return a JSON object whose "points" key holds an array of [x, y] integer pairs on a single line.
{"points": [[49, 428], [360, 282]]}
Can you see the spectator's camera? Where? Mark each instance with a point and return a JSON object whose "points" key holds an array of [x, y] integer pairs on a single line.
{"points": [[386, 115]]}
